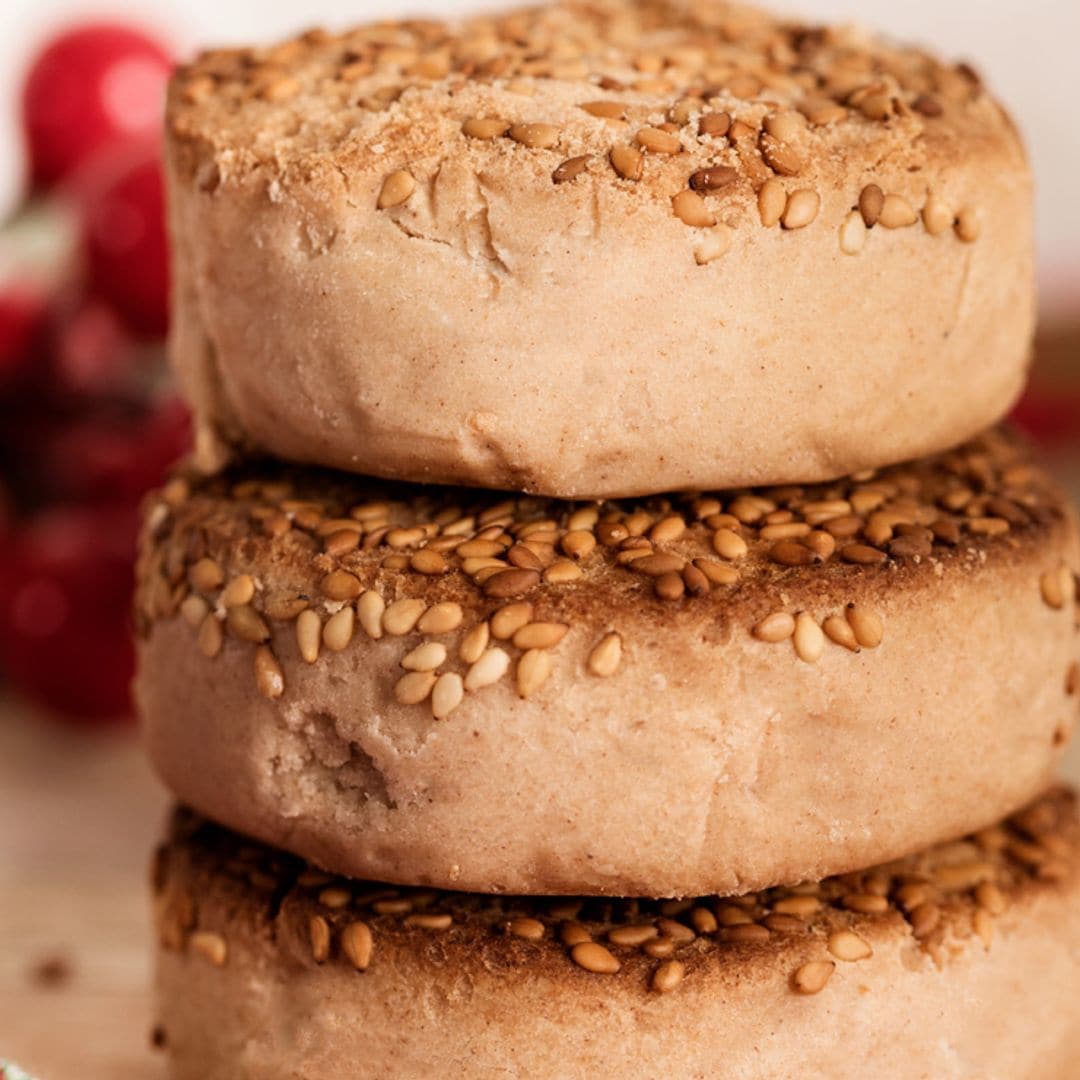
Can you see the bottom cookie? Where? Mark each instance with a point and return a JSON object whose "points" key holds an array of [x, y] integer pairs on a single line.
{"points": [[960, 962]]}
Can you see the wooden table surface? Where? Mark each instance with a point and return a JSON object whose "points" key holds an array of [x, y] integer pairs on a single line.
{"points": [[79, 816]]}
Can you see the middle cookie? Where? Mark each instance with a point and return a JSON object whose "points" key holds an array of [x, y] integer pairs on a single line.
{"points": [[688, 695]]}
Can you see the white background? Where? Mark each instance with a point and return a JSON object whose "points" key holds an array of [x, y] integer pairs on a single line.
{"points": [[1026, 48]]}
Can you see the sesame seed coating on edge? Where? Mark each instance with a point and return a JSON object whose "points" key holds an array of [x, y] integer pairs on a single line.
{"points": [[210, 883], [343, 560]]}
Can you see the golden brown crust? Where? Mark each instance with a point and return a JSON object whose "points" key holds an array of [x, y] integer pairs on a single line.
{"points": [[606, 735], [930, 928], [340, 183]]}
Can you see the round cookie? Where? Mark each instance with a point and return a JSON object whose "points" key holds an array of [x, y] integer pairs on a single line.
{"points": [[687, 695], [960, 962], [596, 250]]}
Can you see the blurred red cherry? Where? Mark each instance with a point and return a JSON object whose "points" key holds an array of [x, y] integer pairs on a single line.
{"points": [[22, 317], [92, 85], [65, 596], [92, 355], [112, 459], [127, 252]]}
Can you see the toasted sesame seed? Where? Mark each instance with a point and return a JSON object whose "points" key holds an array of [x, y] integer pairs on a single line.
{"points": [[780, 156], [593, 957], [337, 632], [239, 591], [477, 127], [540, 635], [812, 977], [896, 212], [357, 944], [748, 933], [605, 110], [488, 669], [849, 946], [936, 215], [802, 906], [784, 126], [658, 141], [533, 669], [319, 937], [990, 897], [268, 675], [206, 575], [713, 177], [440, 618], [677, 931], [866, 903], [401, 616], [778, 626], [245, 623], [474, 643], [210, 637], [713, 244], [210, 946], [728, 544], [536, 136], [193, 610], [413, 688], [925, 919], [369, 609], [507, 583], [838, 630], [627, 161], [717, 573], [335, 897], [852, 234], [1057, 587], [446, 695], [659, 948], [633, 934], [801, 209], [863, 555], [866, 624], [508, 620], [341, 586], [715, 123], [425, 657], [571, 168], [562, 571], [809, 638], [605, 658], [668, 976], [396, 189], [792, 553], [871, 201], [425, 921], [772, 201], [786, 530], [429, 562], [572, 933], [525, 927], [968, 225], [670, 586], [662, 563]]}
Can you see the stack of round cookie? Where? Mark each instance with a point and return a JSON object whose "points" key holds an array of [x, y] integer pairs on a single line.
{"points": [[707, 726]]}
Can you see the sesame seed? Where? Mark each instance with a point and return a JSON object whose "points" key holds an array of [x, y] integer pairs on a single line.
{"points": [[849, 946], [802, 906], [488, 127], [747, 933], [662, 563], [772, 200], [193, 610], [871, 201], [801, 209], [595, 958], [780, 156], [268, 675], [245, 623], [335, 897], [239, 591], [425, 921], [571, 168], [605, 658], [670, 586], [369, 609], [340, 586], [532, 671], [210, 946], [605, 110], [659, 948], [812, 977], [573, 933], [319, 937], [728, 544], [784, 126], [792, 553], [852, 234], [1055, 586], [474, 643], [210, 638], [713, 244], [925, 919], [425, 657], [396, 189], [690, 209], [507, 583], [717, 573], [968, 225], [429, 562], [440, 618], [540, 635], [535, 136], [488, 669], [937, 216], [337, 632], [633, 935], [446, 695], [401, 616], [866, 903], [809, 638], [863, 555], [413, 688], [896, 212], [779, 626], [668, 976], [357, 945], [839, 631], [658, 141], [206, 575], [627, 161], [866, 625], [527, 928], [508, 620], [715, 123], [713, 177]]}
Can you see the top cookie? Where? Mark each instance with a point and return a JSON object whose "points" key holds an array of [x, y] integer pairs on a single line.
{"points": [[596, 249]]}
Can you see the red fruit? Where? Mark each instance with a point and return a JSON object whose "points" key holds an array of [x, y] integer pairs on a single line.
{"points": [[92, 355], [65, 597], [112, 459], [127, 251], [91, 86], [22, 315]]}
